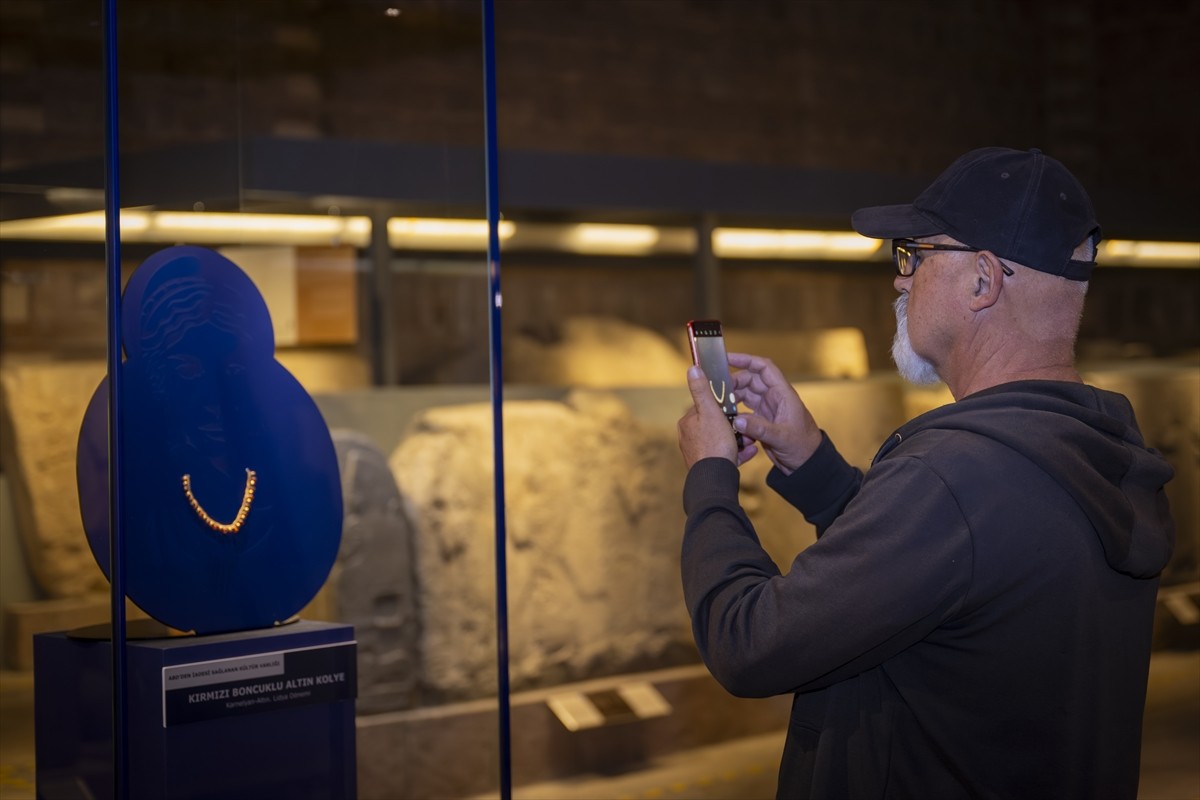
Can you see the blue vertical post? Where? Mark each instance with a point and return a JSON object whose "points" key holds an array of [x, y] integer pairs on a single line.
{"points": [[491, 157], [116, 541]]}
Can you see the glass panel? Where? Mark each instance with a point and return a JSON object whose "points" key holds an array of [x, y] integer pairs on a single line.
{"points": [[52, 350], [322, 164]]}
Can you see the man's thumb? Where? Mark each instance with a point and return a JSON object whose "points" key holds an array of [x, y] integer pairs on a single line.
{"points": [[698, 385]]}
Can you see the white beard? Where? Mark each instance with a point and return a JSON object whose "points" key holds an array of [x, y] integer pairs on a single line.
{"points": [[912, 367]]}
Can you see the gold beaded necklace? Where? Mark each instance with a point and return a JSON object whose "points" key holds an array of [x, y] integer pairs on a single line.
{"points": [[238, 520]]}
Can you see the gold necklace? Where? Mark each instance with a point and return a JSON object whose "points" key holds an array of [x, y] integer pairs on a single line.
{"points": [[221, 527]]}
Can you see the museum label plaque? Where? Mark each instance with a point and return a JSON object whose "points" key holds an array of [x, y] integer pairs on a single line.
{"points": [[232, 687]]}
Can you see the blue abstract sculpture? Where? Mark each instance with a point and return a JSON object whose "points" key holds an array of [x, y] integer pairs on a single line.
{"points": [[233, 506]]}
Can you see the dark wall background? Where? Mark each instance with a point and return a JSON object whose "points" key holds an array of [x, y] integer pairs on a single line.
{"points": [[891, 87]]}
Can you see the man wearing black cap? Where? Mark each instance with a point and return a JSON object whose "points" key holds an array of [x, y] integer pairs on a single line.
{"points": [[975, 617]]}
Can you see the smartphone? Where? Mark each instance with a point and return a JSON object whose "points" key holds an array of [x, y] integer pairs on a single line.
{"points": [[708, 350]]}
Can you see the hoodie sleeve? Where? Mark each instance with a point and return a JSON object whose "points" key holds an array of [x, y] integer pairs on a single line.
{"points": [[819, 488], [892, 566]]}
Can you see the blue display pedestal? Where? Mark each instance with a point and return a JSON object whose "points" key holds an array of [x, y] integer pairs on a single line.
{"points": [[258, 714]]}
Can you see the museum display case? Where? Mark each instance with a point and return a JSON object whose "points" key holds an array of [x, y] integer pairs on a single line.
{"points": [[338, 156], [341, 286]]}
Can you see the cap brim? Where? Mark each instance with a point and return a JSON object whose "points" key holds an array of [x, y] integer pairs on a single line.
{"points": [[892, 222]]}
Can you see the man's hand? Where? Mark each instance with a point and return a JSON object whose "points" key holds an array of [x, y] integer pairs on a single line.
{"points": [[781, 424], [704, 431]]}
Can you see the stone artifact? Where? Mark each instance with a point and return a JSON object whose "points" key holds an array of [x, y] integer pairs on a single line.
{"points": [[43, 407], [595, 352], [593, 525], [821, 353], [373, 581]]}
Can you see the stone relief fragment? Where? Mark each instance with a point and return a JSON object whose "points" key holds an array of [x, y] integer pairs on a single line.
{"points": [[593, 525]]}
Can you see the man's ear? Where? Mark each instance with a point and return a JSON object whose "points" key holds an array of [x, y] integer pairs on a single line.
{"points": [[988, 281]]}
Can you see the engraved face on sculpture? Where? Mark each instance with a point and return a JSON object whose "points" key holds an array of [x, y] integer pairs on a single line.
{"points": [[194, 344], [230, 472]]}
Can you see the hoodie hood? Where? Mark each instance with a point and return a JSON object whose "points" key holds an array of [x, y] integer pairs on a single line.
{"points": [[1088, 441]]}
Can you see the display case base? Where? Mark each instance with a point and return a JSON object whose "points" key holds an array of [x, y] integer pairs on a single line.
{"points": [[266, 713]]}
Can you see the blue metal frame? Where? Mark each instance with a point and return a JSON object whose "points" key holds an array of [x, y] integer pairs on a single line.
{"points": [[497, 389], [112, 259]]}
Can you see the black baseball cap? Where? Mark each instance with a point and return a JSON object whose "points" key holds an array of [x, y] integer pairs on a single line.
{"points": [[1022, 205]]}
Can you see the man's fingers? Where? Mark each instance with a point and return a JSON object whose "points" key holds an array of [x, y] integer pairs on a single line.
{"points": [[756, 371], [747, 361], [752, 425]]}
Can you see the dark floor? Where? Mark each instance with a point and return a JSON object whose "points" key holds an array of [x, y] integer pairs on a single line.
{"points": [[746, 769], [742, 769]]}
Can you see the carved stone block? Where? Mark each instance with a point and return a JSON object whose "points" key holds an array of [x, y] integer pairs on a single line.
{"points": [[593, 520], [373, 580], [43, 407]]}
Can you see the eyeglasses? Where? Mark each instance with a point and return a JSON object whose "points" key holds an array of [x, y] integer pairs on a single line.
{"points": [[906, 253]]}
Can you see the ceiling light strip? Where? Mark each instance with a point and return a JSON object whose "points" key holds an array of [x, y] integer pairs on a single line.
{"points": [[423, 233], [197, 228], [792, 244], [1123, 252]]}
